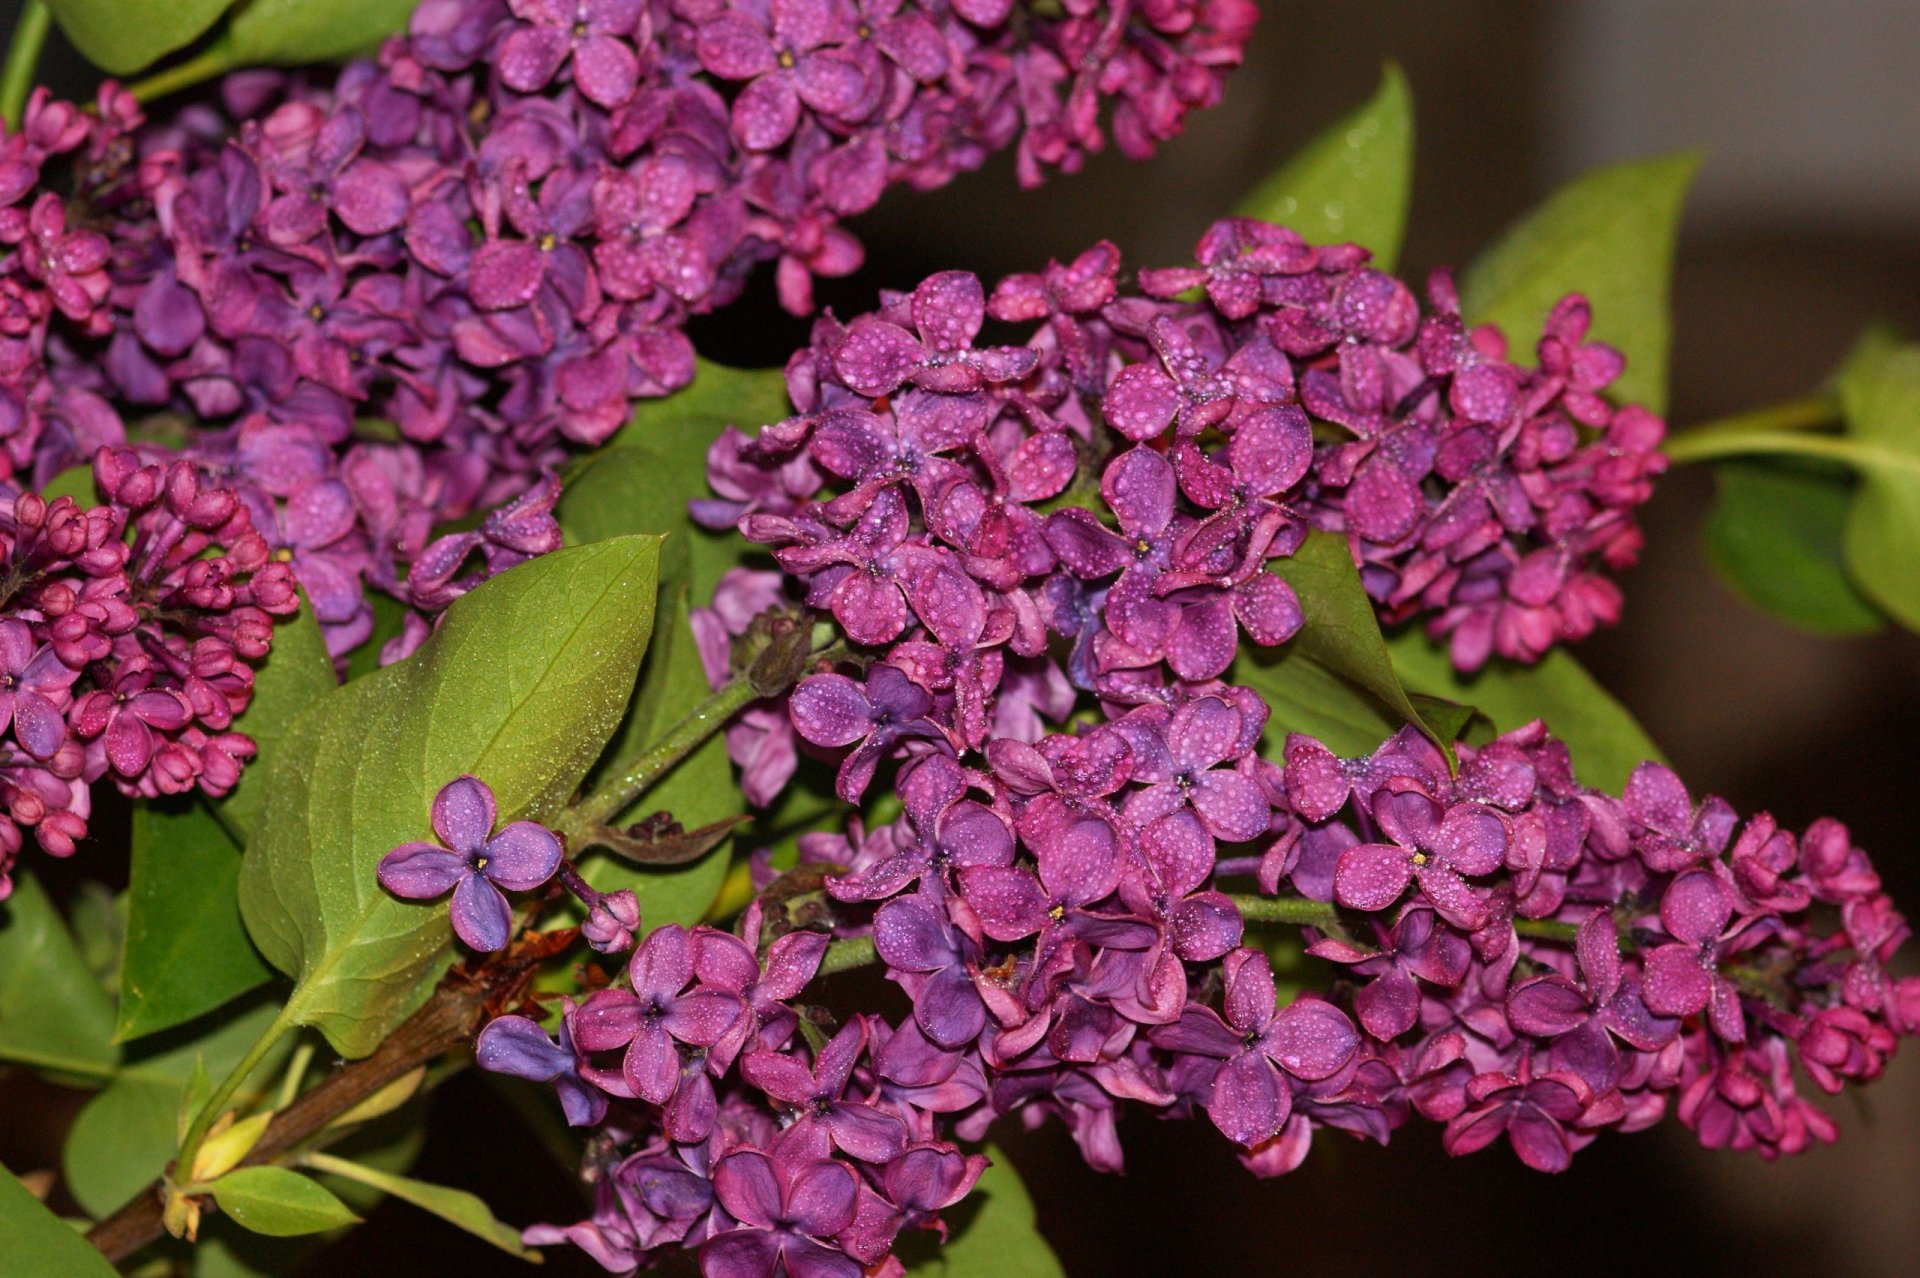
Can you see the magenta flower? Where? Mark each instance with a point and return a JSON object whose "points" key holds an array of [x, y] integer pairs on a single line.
{"points": [[1263, 1048], [35, 685], [833, 710], [1583, 1020], [878, 356], [952, 832], [932, 960], [1419, 948], [1683, 977], [818, 1095], [473, 862], [658, 1012], [788, 61], [1536, 1112], [1677, 835], [1434, 843], [594, 33]]}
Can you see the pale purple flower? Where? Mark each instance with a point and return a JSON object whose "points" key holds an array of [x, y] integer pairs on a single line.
{"points": [[473, 862]]}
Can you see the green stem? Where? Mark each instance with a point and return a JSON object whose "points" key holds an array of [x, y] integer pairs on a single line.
{"points": [[214, 61], [1323, 914], [1285, 909], [295, 1075], [23, 58], [217, 1102], [682, 739], [843, 956], [1856, 453]]}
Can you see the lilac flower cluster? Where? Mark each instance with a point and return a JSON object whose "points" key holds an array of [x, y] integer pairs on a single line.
{"points": [[1482, 494], [400, 298], [1081, 916], [1513, 955], [128, 635]]}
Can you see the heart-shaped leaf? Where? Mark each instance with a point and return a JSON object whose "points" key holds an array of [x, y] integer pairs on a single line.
{"points": [[1610, 235], [1352, 183], [187, 951], [521, 685]]}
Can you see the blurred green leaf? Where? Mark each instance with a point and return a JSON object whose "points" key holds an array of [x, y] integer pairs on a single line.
{"points": [[187, 951], [290, 32], [122, 36], [1353, 182], [123, 1137], [38, 1242], [53, 1013], [992, 1234], [1880, 400], [521, 686], [1610, 235], [75, 482], [279, 1203], [1777, 534], [1606, 742]]}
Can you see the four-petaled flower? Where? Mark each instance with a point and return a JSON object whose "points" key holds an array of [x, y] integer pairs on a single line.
{"points": [[473, 862]]}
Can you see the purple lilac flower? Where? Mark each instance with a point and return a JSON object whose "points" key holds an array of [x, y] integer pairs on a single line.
{"points": [[474, 862]]}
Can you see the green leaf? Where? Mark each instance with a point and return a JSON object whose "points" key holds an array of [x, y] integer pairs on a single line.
{"points": [[1342, 634], [1352, 183], [993, 1234], [39, 1242], [124, 1137], [97, 919], [122, 36], [457, 1207], [1609, 235], [279, 1203], [641, 489], [75, 482], [297, 673], [389, 616], [53, 1013], [678, 430], [1776, 534], [521, 686], [1880, 399], [298, 31], [1606, 742], [187, 951]]}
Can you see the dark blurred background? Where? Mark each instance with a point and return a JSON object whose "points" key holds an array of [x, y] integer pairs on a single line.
{"points": [[1805, 228]]}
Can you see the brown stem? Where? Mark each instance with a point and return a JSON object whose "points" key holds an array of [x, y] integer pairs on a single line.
{"points": [[448, 1019]]}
